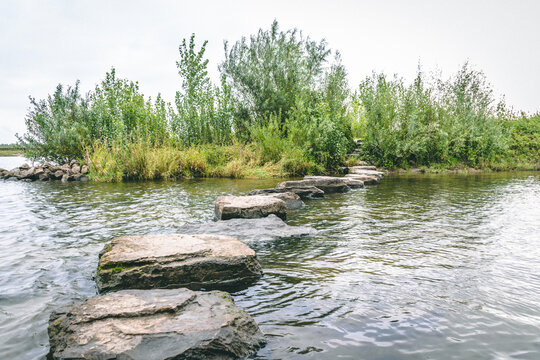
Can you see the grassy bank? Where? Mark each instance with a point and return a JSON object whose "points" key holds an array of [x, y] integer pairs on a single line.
{"points": [[283, 107], [137, 161]]}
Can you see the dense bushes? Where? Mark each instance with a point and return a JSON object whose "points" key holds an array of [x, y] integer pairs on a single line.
{"points": [[282, 107], [450, 122]]}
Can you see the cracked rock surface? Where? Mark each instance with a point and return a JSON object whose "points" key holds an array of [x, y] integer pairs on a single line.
{"points": [[152, 325]]}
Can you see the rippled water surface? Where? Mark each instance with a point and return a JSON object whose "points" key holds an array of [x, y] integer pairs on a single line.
{"points": [[424, 267]]}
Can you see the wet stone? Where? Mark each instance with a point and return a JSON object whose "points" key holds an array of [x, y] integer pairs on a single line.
{"points": [[177, 260], [249, 207]]}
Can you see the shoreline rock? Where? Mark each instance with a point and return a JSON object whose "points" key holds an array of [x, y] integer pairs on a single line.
{"points": [[153, 324], [176, 260], [249, 207]]}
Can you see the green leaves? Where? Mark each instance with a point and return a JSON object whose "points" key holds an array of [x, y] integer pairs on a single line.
{"points": [[453, 120], [205, 112]]}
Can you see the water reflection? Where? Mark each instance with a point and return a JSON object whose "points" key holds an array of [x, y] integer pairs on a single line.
{"points": [[419, 267]]}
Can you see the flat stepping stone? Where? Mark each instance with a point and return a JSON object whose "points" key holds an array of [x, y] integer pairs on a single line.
{"points": [[367, 179], [153, 325], [249, 207], [176, 260], [360, 171], [328, 184], [304, 191], [292, 200], [352, 183], [365, 167]]}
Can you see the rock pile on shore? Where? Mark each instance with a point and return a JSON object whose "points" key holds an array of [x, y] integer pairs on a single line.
{"points": [[47, 172]]}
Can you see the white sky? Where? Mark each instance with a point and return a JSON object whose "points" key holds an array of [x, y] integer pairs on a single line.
{"points": [[43, 43]]}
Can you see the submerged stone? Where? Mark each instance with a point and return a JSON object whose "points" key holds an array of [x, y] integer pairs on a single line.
{"points": [[303, 191], [249, 207], [175, 260], [152, 325], [250, 230]]}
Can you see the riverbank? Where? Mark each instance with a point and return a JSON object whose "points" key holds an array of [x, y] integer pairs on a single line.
{"points": [[464, 170]]}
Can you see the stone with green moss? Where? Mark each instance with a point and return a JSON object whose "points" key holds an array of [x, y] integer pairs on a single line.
{"points": [[177, 260]]}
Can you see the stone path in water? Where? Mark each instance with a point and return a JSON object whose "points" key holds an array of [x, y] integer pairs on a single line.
{"points": [[164, 296]]}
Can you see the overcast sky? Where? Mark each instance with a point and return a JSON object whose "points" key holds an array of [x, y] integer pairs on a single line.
{"points": [[43, 43]]}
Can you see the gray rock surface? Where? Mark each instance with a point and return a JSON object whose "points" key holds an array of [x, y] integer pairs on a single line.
{"points": [[352, 183], [153, 325], [250, 230], [328, 184], [367, 179], [292, 200], [47, 172], [249, 207], [176, 260], [365, 167], [305, 192], [358, 170]]}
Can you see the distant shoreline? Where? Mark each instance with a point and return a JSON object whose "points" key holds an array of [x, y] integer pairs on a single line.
{"points": [[11, 152]]}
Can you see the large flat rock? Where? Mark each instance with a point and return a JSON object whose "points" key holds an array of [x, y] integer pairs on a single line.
{"points": [[352, 183], [360, 171], [250, 230], [292, 200], [249, 207], [177, 260], [153, 325], [328, 184], [367, 179]]}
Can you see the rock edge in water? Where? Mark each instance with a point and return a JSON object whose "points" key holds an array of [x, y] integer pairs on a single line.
{"points": [[152, 325], [177, 260]]}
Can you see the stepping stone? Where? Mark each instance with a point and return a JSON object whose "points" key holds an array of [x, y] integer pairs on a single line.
{"points": [[153, 325], [367, 179], [292, 200], [249, 207], [305, 192], [175, 260], [352, 183], [360, 171], [365, 167], [328, 184]]}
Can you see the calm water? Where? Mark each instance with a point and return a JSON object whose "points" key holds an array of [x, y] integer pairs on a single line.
{"points": [[426, 267]]}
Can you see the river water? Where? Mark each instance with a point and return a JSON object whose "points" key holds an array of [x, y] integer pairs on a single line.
{"points": [[418, 267]]}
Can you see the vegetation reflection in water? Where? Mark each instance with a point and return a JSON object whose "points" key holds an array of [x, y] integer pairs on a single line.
{"points": [[441, 266]]}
